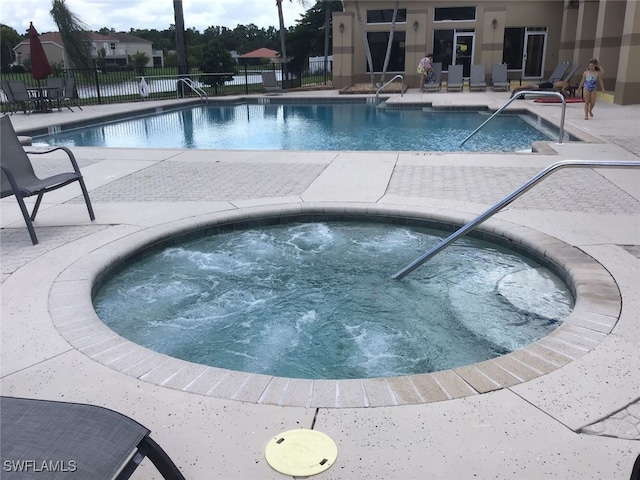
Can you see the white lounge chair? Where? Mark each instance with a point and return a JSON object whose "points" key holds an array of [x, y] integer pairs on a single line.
{"points": [[269, 83], [478, 78], [454, 78], [499, 80]]}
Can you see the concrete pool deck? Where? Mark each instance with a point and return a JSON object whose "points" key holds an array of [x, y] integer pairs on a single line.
{"points": [[580, 420]]}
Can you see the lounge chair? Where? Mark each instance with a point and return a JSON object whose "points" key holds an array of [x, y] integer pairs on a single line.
{"points": [[478, 78], [269, 83], [8, 95], [559, 72], [71, 93], [55, 440], [436, 84], [20, 96], [454, 78], [19, 179], [499, 80]]}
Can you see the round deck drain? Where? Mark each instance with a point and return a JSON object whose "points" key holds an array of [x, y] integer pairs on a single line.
{"points": [[301, 452]]}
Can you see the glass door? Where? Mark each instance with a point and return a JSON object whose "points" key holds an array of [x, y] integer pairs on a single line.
{"points": [[463, 51], [533, 54]]}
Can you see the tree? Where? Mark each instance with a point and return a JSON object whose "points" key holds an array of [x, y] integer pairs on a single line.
{"points": [[74, 35], [282, 33], [365, 40], [390, 42], [9, 38], [139, 60], [307, 37], [216, 59]]}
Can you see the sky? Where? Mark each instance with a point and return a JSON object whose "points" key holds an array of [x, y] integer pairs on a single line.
{"points": [[122, 15]]}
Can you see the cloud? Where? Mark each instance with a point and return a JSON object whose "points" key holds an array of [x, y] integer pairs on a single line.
{"points": [[123, 15]]}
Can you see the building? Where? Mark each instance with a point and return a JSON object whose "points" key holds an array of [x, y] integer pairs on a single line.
{"points": [[256, 57], [531, 37], [118, 47]]}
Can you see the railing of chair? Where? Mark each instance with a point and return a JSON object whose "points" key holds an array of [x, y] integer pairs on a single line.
{"points": [[390, 81], [518, 95], [507, 200]]}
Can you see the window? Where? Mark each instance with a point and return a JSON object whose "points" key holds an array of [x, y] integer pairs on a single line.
{"points": [[378, 45], [513, 47], [443, 48], [385, 16], [452, 14]]}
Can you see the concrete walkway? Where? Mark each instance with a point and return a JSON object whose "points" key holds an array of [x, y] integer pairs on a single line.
{"points": [[572, 411]]}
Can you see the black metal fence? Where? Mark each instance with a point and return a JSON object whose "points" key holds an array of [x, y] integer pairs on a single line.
{"points": [[95, 87]]}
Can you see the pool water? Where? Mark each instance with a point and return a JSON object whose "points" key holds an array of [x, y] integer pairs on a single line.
{"points": [[315, 300], [345, 126]]}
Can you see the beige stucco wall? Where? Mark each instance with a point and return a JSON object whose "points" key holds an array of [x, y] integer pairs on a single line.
{"points": [[488, 40]]}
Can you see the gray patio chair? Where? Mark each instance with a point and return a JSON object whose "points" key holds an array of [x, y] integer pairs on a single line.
{"points": [[499, 80], [454, 78], [269, 83], [436, 84], [4, 85], [478, 78], [55, 91], [71, 93], [19, 179], [20, 96], [76, 441], [559, 72]]}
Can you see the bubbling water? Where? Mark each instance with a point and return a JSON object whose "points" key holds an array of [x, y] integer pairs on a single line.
{"points": [[314, 300]]}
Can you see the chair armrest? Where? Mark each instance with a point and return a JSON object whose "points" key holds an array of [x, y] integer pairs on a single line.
{"points": [[65, 149]]}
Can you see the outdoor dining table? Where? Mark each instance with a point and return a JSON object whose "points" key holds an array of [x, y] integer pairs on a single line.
{"points": [[40, 97]]}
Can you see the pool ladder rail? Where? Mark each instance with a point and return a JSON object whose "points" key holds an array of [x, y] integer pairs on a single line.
{"points": [[390, 81], [192, 85], [507, 200], [535, 93]]}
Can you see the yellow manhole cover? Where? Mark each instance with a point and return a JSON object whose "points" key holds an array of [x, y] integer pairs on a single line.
{"points": [[301, 452]]}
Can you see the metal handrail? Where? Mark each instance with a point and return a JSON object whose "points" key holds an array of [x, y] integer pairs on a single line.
{"points": [[401, 90], [536, 93], [507, 200], [189, 83]]}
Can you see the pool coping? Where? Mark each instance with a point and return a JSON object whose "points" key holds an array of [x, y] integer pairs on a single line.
{"points": [[597, 309]]}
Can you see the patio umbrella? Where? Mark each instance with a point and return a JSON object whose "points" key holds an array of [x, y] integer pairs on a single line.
{"points": [[40, 67]]}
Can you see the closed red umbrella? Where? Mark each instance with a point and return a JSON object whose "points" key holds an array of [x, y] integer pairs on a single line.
{"points": [[40, 67]]}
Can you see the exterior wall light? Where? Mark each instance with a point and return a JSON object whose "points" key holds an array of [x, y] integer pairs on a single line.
{"points": [[494, 22], [415, 26], [341, 27]]}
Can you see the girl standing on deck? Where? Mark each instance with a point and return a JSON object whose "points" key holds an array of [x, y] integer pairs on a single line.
{"points": [[591, 78]]}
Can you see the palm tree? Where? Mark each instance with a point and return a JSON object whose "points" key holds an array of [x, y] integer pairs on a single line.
{"points": [[390, 42], [283, 47], [74, 34], [365, 40]]}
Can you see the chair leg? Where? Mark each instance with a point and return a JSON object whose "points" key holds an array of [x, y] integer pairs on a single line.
{"points": [[27, 219], [160, 459], [85, 193], [36, 207]]}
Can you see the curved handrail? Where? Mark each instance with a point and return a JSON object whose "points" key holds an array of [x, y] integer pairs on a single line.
{"points": [[401, 91], [507, 200], [536, 93], [190, 83]]}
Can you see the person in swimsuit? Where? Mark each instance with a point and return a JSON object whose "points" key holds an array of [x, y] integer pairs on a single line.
{"points": [[561, 86], [591, 78]]}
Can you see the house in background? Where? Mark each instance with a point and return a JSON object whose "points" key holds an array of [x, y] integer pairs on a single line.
{"points": [[530, 37], [117, 47], [255, 57]]}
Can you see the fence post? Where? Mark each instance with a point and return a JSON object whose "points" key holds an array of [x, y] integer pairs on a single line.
{"points": [[97, 80], [246, 80]]}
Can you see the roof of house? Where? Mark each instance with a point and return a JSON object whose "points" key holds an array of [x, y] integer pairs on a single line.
{"points": [[261, 53]]}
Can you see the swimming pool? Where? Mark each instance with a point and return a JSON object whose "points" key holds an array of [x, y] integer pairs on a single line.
{"points": [[328, 126]]}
